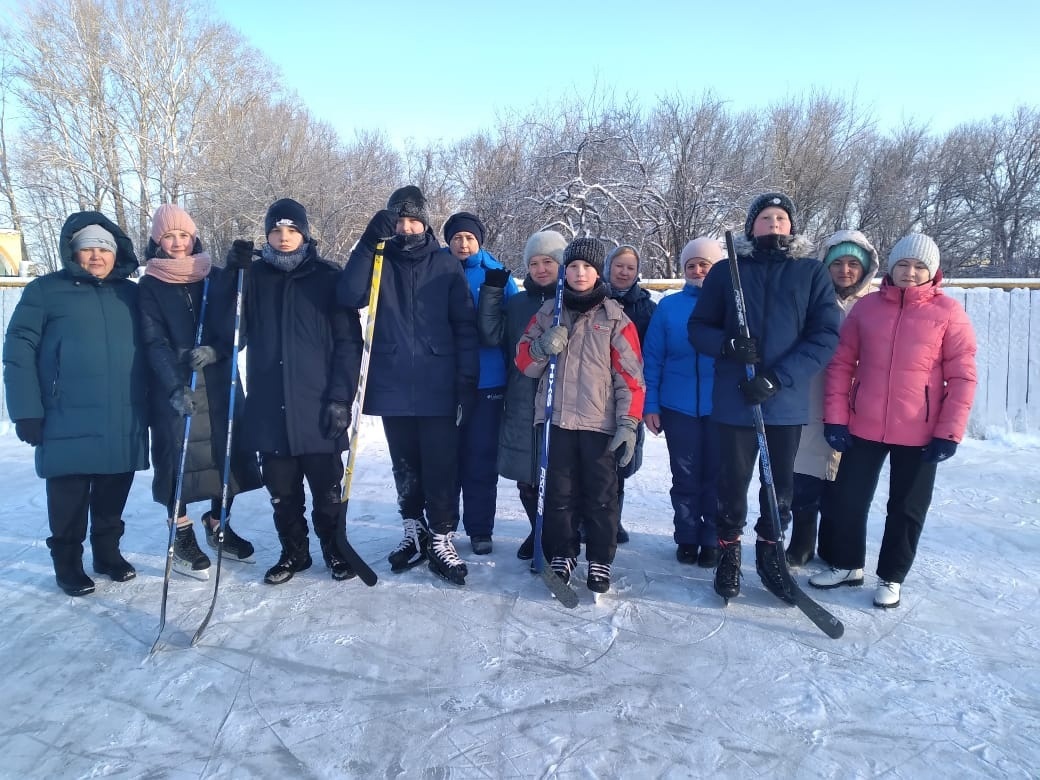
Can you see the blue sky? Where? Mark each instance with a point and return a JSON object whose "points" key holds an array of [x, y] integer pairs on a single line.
{"points": [[431, 70]]}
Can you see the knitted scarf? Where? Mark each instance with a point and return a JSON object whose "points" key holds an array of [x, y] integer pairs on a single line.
{"points": [[283, 261], [182, 270]]}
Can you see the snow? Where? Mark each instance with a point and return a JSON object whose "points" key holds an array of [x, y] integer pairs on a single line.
{"points": [[418, 678]]}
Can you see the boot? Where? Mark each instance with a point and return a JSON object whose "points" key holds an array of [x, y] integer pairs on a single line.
{"points": [[412, 549], [834, 577], [686, 553], [767, 563], [335, 563], [235, 547], [295, 557], [887, 595], [727, 573], [445, 560], [599, 577], [708, 558], [481, 545], [107, 558], [188, 557], [802, 547], [68, 569]]}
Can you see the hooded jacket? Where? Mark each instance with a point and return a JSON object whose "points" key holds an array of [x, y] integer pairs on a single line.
{"points": [[492, 361], [677, 376], [904, 370], [72, 357]]}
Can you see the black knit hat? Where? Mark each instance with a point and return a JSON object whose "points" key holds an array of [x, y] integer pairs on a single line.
{"points": [[409, 202], [287, 213], [588, 249], [464, 222], [762, 202]]}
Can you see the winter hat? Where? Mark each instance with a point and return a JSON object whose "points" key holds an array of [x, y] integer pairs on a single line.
{"points": [[287, 213], [850, 249], [917, 246], [762, 202], [589, 250], [708, 248], [170, 216], [409, 202], [93, 236], [545, 242], [464, 222], [624, 249]]}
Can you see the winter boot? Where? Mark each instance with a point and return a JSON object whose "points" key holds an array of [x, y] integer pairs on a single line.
{"points": [[708, 558], [563, 566], [526, 550], [599, 577], [335, 563], [686, 553], [235, 547], [296, 557], [188, 558], [727, 572], [68, 569], [529, 499], [107, 558], [887, 595], [412, 549], [622, 536], [802, 548], [445, 560], [833, 578], [481, 545], [774, 577]]}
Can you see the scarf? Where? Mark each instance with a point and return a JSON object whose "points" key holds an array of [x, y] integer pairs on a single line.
{"points": [[283, 261], [182, 270], [582, 302]]}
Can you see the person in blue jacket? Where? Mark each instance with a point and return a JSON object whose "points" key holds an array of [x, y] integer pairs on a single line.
{"points": [[678, 402], [478, 437], [422, 379], [793, 320]]}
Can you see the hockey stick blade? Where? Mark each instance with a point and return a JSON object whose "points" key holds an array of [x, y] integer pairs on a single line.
{"points": [[822, 619], [563, 592], [346, 549]]}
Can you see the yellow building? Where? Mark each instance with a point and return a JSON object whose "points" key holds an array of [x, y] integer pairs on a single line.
{"points": [[10, 252]]}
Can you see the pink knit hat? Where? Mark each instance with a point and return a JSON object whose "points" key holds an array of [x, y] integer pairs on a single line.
{"points": [[170, 216]]}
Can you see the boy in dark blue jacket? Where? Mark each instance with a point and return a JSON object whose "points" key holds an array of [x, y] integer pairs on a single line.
{"points": [[422, 378], [793, 319]]}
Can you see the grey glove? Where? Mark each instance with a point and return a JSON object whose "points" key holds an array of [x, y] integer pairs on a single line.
{"points": [[623, 445], [184, 401], [550, 343], [200, 357]]}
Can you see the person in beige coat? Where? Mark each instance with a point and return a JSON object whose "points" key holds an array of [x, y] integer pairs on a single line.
{"points": [[598, 397], [852, 262]]}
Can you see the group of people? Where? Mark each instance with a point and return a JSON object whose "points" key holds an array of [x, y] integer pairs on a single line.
{"points": [[466, 371]]}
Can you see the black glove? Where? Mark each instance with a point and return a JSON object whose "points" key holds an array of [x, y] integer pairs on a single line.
{"points": [[760, 389], [550, 343], [200, 357], [30, 430], [240, 255], [466, 394], [496, 277], [335, 419], [743, 348], [381, 227], [184, 401], [837, 436], [937, 450]]}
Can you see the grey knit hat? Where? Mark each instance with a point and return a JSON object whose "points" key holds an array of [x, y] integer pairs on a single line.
{"points": [[589, 250], [545, 242], [93, 236], [915, 246]]}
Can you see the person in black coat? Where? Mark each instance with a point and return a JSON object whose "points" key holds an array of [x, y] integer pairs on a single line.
{"points": [[793, 319], [302, 362], [170, 302], [422, 379], [622, 273]]}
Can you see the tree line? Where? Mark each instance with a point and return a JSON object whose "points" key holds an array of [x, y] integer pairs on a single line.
{"points": [[99, 111]]}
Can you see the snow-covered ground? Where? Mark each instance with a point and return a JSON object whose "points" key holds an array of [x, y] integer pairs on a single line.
{"points": [[418, 678]]}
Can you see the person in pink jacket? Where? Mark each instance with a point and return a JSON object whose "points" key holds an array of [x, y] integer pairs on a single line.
{"points": [[900, 385]]}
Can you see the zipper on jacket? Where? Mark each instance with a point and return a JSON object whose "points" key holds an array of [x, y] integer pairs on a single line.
{"points": [[57, 372], [927, 404]]}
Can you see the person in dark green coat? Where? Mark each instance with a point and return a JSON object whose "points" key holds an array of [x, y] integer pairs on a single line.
{"points": [[76, 386]]}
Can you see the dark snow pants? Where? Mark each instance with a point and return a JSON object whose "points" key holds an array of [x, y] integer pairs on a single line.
{"points": [[71, 498], [478, 464], [693, 455], [283, 478], [424, 453]]}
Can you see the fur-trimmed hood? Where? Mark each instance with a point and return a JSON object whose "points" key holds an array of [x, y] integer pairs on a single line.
{"points": [[800, 246]]}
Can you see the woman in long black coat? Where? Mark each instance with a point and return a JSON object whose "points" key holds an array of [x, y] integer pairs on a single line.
{"points": [[170, 301]]}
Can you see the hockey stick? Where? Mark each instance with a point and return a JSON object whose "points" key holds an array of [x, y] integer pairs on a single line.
{"points": [[178, 489], [564, 592], [823, 619], [364, 571], [227, 457]]}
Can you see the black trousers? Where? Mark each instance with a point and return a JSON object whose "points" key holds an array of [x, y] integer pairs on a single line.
{"points": [[424, 455], [581, 485], [738, 449], [71, 498], [843, 524], [214, 507], [283, 478]]}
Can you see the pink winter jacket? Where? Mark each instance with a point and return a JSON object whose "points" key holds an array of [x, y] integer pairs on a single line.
{"points": [[904, 371]]}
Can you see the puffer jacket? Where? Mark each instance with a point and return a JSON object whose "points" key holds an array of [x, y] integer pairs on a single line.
{"points": [[677, 376], [815, 457], [599, 376], [904, 371], [492, 360]]}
